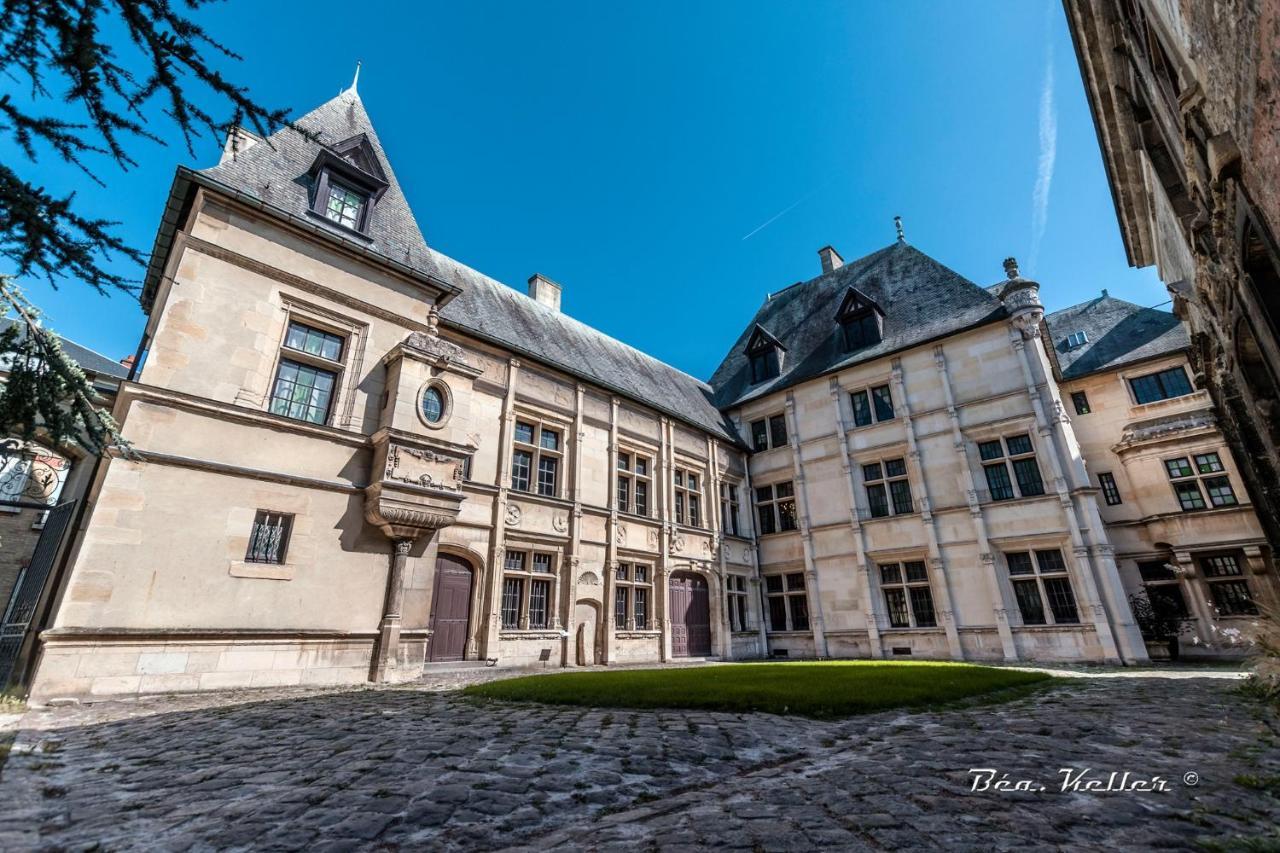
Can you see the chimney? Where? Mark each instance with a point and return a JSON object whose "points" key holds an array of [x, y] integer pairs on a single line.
{"points": [[545, 291], [831, 259], [238, 141]]}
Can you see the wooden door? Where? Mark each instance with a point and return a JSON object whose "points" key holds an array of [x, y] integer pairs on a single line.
{"points": [[690, 616], [450, 609]]}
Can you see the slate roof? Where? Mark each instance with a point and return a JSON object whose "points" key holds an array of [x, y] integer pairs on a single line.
{"points": [[90, 362], [1119, 333], [274, 172], [921, 299]]}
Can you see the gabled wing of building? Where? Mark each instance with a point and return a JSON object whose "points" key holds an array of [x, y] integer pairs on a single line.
{"points": [[1116, 333], [921, 300]]}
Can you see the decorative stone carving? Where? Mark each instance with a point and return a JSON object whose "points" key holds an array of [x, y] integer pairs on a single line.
{"points": [[440, 350], [588, 579], [423, 468], [514, 514], [677, 542], [620, 535], [560, 523], [652, 537]]}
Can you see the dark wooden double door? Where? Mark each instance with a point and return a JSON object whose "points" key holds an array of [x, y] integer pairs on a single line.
{"points": [[450, 609], [690, 609]]}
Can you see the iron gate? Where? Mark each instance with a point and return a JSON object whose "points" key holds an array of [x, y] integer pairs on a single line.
{"points": [[27, 591]]}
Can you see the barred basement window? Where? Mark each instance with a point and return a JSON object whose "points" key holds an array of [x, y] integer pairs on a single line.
{"points": [[528, 590], [907, 596], [1110, 492], [1160, 386], [633, 483], [269, 540], [542, 456], [788, 602], [737, 593], [1042, 581], [873, 405], [1021, 456], [688, 498], [729, 508], [891, 475], [1227, 586], [1188, 481], [1081, 402], [776, 508], [769, 433], [633, 586]]}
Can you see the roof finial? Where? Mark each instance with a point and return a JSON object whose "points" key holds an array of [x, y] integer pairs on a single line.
{"points": [[1011, 267], [897, 224], [355, 79]]}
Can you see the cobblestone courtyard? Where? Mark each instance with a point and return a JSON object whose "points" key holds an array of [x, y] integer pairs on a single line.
{"points": [[422, 767]]}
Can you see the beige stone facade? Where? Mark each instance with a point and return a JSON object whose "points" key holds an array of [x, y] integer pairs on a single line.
{"points": [[471, 475]]}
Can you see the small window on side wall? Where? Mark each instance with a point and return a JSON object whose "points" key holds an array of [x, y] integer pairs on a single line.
{"points": [[1081, 402], [269, 539]]}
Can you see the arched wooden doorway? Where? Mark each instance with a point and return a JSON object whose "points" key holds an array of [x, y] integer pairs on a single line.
{"points": [[450, 609], [690, 616]]}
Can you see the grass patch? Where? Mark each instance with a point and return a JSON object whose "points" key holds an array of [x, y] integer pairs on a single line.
{"points": [[823, 690]]}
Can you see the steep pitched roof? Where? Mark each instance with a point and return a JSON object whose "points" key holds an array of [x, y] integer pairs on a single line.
{"points": [[493, 311], [921, 300], [92, 363], [1119, 333], [275, 171]]}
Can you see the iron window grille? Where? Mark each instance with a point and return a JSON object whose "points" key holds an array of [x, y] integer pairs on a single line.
{"points": [[887, 487], [1163, 385], [776, 508], [528, 590], [1192, 483], [687, 498], [538, 451], [1227, 586], [1110, 491], [872, 405], [788, 602], [1042, 588], [907, 597], [1014, 452], [633, 483], [729, 508], [269, 539], [633, 591], [737, 601]]}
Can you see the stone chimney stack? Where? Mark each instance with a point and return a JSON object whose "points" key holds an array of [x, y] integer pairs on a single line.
{"points": [[238, 141], [545, 291], [830, 258]]}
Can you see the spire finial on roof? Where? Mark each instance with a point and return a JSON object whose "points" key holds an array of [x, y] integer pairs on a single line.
{"points": [[355, 79], [1011, 267], [897, 224]]}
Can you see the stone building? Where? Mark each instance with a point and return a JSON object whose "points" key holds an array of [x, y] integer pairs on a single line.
{"points": [[1186, 101], [360, 456]]}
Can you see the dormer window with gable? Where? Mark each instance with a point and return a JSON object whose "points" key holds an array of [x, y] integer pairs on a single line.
{"points": [[861, 321], [347, 182], [764, 352]]}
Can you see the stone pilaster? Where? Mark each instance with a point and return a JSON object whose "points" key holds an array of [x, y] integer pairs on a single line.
{"points": [[812, 588]]}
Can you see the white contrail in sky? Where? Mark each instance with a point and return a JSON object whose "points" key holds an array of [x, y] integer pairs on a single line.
{"points": [[772, 219], [1048, 152]]}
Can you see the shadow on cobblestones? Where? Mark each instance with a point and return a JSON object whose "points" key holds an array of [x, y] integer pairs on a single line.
{"points": [[390, 769]]}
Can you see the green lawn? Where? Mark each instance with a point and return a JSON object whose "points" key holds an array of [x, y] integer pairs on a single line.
{"points": [[824, 689]]}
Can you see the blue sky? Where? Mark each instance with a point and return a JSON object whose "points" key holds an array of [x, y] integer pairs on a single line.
{"points": [[633, 152]]}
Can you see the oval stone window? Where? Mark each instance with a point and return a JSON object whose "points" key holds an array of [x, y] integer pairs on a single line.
{"points": [[432, 405]]}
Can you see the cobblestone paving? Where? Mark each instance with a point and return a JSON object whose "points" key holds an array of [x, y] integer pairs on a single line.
{"points": [[422, 767]]}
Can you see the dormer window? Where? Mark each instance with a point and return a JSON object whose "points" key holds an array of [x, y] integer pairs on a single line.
{"points": [[345, 206], [1075, 340], [764, 352], [347, 182], [861, 321]]}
